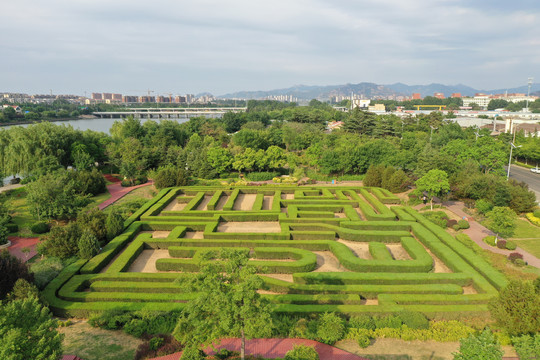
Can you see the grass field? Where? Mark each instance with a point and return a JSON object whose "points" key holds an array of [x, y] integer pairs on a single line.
{"points": [[96, 344], [527, 236]]}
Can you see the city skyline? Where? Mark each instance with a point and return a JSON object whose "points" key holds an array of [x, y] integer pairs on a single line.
{"points": [[221, 47]]}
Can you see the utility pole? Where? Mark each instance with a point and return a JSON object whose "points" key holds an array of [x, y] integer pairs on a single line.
{"points": [[512, 146], [530, 81]]}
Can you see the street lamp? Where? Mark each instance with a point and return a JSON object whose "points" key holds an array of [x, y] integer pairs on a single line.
{"points": [[512, 147], [477, 134], [530, 81]]}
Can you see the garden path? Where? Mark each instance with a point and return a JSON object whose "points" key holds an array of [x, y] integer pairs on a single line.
{"points": [[18, 243], [276, 348]]}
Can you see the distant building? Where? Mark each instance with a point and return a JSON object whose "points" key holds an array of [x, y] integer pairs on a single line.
{"points": [[416, 96], [456, 95], [180, 99], [117, 97], [438, 95], [361, 103], [481, 100], [97, 96], [129, 99], [147, 99], [377, 108]]}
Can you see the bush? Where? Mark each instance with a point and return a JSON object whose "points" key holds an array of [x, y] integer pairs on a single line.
{"points": [[155, 343], [510, 245], [23, 290], [414, 320], [515, 256], [527, 346], [331, 328], [110, 319], [437, 217], [89, 182], [93, 221], [490, 240], [362, 321], [463, 224], [88, 245], [302, 352], [483, 206], [125, 183], [536, 213], [165, 177], [40, 228], [501, 244], [451, 223], [11, 269], [12, 228], [363, 339], [62, 241], [456, 227], [374, 175], [262, 176], [114, 224], [388, 321]]}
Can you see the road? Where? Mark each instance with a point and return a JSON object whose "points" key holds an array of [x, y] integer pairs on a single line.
{"points": [[525, 175]]}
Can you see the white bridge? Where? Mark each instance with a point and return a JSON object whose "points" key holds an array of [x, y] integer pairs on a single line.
{"points": [[169, 113]]}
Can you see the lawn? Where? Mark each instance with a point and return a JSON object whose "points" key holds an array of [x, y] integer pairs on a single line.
{"points": [[96, 344], [527, 236], [145, 192]]}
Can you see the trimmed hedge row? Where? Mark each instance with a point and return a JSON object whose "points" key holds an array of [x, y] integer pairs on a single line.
{"points": [[379, 251], [230, 201], [351, 278], [385, 196], [214, 200], [137, 214]]}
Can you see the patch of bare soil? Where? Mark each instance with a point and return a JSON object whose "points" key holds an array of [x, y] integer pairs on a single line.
{"points": [[360, 249], [267, 202], [370, 302], [193, 235], [359, 213], [283, 210], [160, 234], [398, 252], [416, 350], [250, 227], [467, 290], [266, 292], [287, 196], [146, 261], [222, 201], [122, 251], [340, 215], [204, 203], [327, 262], [244, 202], [174, 205], [439, 265], [284, 277]]}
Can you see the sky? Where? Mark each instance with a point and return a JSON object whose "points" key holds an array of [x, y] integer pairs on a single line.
{"points": [[178, 47]]}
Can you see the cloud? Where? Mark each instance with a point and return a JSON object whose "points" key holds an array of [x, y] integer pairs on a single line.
{"points": [[223, 46]]}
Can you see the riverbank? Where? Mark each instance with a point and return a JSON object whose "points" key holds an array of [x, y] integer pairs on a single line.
{"points": [[30, 122]]}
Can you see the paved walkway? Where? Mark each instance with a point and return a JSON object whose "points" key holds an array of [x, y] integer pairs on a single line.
{"points": [[477, 232], [117, 192], [276, 348], [18, 243]]}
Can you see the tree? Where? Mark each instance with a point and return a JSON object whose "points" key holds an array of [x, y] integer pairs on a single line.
{"points": [[228, 303], [114, 223], [62, 241], [497, 104], [482, 347], [88, 245], [93, 221], [23, 290], [527, 347], [28, 331], [502, 220], [11, 269], [517, 308], [434, 183], [331, 328]]}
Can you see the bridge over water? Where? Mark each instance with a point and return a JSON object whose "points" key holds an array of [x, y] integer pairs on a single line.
{"points": [[169, 113]]}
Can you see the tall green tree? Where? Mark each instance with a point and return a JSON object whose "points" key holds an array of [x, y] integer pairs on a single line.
{"points": [[228, 303], [28, 331], [502, 220], [434, 183]]}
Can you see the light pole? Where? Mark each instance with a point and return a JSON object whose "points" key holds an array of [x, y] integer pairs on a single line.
{"points": [[512, 146], [477, 134], [431, 134]]}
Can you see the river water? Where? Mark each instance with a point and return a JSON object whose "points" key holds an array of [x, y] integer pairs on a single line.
{"points": [[98, 124]]}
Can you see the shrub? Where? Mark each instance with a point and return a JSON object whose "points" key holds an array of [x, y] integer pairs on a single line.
{"points": [[463, 224], [482, 346], [88, 245], [362, 321], [527, 346], [501, 244], [11, 269], [388, 321], [125, 183], [23, 290], [262, 176], [89, 182], [451, 223], [114, 224], [536, 213], [398, 182], [12, 228], [93, 221], [331, 328], [110, 319], [165, 177], [456, 227], [483, 206], [363, 340], [437, 217], [510, 245], [374, 175], [490, 240], [40, 228], [62, 241], [414, 320], [155, 343], [515, 256], [302, 352]]}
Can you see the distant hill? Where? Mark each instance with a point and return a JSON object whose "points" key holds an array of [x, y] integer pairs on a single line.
{"points": [[371, 91]]}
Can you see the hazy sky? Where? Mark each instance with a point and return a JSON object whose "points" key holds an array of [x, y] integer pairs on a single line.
{"points": [[73, 46]]}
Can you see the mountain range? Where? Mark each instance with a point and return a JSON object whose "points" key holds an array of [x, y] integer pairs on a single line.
{"points": [[373, 91]]}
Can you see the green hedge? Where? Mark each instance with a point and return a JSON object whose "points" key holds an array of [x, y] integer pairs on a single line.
{"points": [[137, 214], [379, 251]]}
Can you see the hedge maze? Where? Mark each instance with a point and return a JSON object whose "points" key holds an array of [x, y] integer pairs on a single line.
{"points": [[345, 249]]}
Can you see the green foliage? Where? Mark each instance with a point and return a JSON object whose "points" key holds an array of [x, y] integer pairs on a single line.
{"points": [[527, 347], [88, 245], [363, 339], [362, 321], [40, 227], [483, 206], [62, 241], [228, 303], [114, 224], [55, 196], [388, 321], [11, 269], [490, 240], [374, 175], [155, 343], [46, 270], [414, 320], [510, 245], [483, 346], [168, 176], [302, 352], [502, 220], [437, 217], [23, 290], [88, 182], [517, 308], [463, 224], [93, 221], [262, 176], [434, 183], [536, 213], [28, 331], [331, 328]]}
